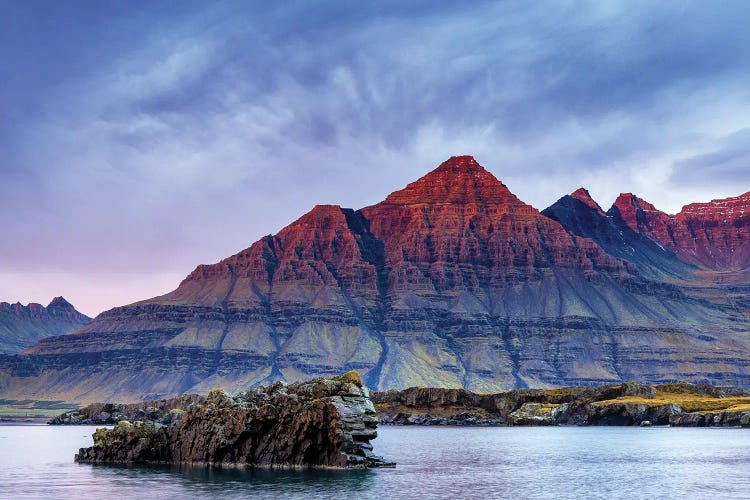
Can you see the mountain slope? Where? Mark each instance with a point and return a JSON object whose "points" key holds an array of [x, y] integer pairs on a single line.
{"points": [[713, 235], [23, 326], [581, 215], [451, 281]]}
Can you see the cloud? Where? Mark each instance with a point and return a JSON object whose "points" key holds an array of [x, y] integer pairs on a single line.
{"points": [[726, 166], [188, 135]]}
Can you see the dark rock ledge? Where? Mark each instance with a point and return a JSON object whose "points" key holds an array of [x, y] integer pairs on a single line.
{"points": [[631, 403], [161, 411], [320, 423]]}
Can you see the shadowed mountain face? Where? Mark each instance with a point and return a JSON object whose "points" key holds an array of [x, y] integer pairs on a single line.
{"points": [[582, 216], [452, 282], [23, 326]]}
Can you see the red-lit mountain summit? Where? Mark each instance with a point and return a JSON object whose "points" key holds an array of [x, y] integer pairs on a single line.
{"points": [[452, 281]]}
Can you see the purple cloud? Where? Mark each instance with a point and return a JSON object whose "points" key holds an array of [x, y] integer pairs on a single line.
{"points": [[140, 140]]}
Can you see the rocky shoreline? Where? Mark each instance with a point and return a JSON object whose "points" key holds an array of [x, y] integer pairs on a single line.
{"points": [[628, 404], [323, 423], [162, 411]]}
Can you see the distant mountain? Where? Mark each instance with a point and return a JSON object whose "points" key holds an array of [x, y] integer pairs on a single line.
{"points": [[23, 326], [452, 281], [582, 216], [713, 235]]}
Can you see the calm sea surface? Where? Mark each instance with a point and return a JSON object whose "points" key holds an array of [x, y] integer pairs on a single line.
{"points": [[465, 463]]}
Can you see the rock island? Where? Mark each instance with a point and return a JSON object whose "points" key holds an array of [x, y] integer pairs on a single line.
{"points": [[322, 423]]}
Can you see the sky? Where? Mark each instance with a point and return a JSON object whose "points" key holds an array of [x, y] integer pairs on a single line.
{"points": [[140, 139]]}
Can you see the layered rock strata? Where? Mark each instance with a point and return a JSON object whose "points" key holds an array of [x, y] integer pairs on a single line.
{"points": [[320, 423], [450, 282], [713, 235], [581, 215]]}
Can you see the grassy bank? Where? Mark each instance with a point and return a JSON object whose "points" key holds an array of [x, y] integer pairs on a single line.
{"points": [[31, 410]]}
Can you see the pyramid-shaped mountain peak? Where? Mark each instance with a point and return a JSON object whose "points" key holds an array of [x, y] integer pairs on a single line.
{"points": [[458, 180], [583, 195], [450, 282], [457, 167], [60, 302], [463, 163]]}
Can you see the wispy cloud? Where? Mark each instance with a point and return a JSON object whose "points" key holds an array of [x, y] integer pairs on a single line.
{"points": [[187, 135]]}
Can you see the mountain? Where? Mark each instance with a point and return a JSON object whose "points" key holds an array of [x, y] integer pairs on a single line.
{"points": [[23, 326], [452, 281], [713, 235], [582, 216]]}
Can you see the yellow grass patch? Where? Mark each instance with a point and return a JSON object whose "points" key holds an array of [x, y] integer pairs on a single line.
{"points": [[352, 377], [688, 402], [544, 409]]}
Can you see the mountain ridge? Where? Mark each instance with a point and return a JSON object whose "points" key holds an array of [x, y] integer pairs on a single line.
{"points": [[452, 281], [22, 326]]}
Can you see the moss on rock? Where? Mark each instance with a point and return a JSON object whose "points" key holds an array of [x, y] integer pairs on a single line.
{"points": [[352, 377], [319, 423]]}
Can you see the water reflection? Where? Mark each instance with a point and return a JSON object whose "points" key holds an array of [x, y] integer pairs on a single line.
{"points": [[234, 481], [466, 463]]}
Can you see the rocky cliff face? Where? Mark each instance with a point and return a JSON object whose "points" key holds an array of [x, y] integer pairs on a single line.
{"points": [[23, 326], [450, 282], [630, 403], [713, 235], [320, 423], [625, 239]]}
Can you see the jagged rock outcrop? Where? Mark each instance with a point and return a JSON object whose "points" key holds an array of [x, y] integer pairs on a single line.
{"points": [[320, 423], [537, 414], [450, 282], [23, 326], [162, 412]]}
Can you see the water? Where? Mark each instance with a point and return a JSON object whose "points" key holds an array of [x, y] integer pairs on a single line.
{"points": [[466, 463]]}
